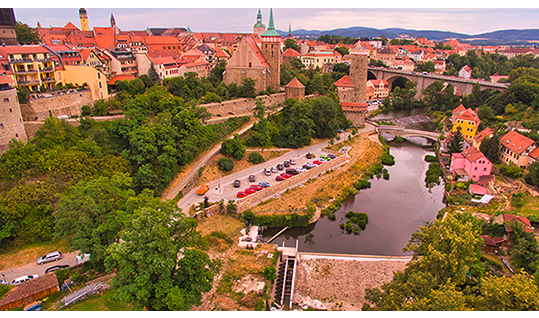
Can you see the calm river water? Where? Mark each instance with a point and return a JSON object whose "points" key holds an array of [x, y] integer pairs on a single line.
{"points": [[396, 208]]}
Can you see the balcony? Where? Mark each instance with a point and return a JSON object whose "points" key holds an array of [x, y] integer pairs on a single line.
{"points": [[30, 71], [46, 69], [48, 80], [27, 82], [18, 61]]}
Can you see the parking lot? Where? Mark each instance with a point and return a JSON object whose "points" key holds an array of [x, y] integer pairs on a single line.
{"points": [[223, 188]]}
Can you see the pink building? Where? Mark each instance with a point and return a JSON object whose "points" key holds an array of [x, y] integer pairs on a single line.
{"points": [[470, 165]]}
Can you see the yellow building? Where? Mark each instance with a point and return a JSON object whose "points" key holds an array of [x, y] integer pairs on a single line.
{"points": [[31, 66], [467, 120], [81, 74]]}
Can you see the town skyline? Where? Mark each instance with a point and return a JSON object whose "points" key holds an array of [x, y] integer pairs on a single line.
{"points": [[470, 21]]}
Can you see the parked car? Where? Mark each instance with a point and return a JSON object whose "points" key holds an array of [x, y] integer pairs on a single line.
{"points": [[291, 171], [252, 178], [287, 164], [23, 279], [237, 183], [55, 267], [49, 257], [82, 258], [264, 184], [286, 175], [241, 194], [292, 161], [280, 167], [340, 131], [312, 165], [250, 191], [309, 155], [317, 162], [324, 157], [300, 169], [273, 170], [279, 178], [256, 187], [267, 171], [331, 156], [203, 189]]}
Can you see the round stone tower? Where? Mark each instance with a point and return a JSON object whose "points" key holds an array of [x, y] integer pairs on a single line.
{"points": [[11, 124], [358, 76]]}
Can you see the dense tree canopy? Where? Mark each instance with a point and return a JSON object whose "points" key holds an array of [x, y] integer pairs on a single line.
{"points": [[26, 35]]}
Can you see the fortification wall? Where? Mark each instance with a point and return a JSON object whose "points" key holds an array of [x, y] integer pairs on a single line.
{"points": [[242, 106], [66, 104]]}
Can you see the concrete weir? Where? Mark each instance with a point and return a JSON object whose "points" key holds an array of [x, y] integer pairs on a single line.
{"points": [[307, 256]]}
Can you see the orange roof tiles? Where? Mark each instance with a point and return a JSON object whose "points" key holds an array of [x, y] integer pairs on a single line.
{"points": [[23, 49], [70, 26], [290, 52], [535, 153], [487, 132], [524, 220], [516, 142], [250, 40], [344, 82], [6, 80], [221, 54], [30, 288], [162, 60], [472, 154], [120, 77], [295, 83]]}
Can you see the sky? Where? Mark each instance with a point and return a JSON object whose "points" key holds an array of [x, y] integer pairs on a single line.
{"points": [[242, 18]]}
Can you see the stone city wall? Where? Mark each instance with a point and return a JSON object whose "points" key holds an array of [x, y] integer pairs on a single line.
{"points": [[252, 200], [66, 104], [242, 106], [236, 75]]}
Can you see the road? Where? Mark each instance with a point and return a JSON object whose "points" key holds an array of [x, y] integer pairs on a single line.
{"points": [[223, 188], [33, 268]]}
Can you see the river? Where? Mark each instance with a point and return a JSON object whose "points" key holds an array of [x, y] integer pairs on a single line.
{"points": [[396, 208]]}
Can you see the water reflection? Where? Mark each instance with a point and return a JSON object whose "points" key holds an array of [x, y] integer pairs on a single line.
{"points": [[396, 208]]}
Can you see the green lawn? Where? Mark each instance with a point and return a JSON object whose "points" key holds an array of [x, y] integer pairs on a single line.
{"points": [[99, 303], [530, 207]]}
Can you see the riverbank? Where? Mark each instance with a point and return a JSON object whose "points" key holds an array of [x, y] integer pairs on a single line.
{"points": [[320, 191]]}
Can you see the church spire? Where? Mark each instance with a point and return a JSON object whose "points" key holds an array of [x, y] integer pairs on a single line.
{"points": [[112, 20], [289, 30], [270, 31]]}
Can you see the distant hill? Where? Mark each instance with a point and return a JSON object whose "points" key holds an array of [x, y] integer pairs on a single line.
{"points": [[496, 37]]}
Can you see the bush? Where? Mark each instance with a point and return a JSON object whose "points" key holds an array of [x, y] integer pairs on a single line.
{"points": [[388, 159], [85, 110], [256, 158], [225, 164], [269, 273], [430, 158], [233, 147], [231, 207]]}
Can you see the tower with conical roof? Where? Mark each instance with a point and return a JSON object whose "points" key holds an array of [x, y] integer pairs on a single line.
{"points": [[271, 49], [259, 28], [113, 24], [83, 20]]}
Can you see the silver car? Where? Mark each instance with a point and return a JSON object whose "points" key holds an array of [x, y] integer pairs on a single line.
{"points": [[49, 257]]}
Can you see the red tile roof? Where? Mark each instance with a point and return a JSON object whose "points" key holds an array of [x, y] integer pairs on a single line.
{"points": [[15, 49], [222, 54], [354, 107], [524, 220], [250, 40], [516, 142], [487, 132], [162, 60], [295, 83], [4, 79], [477, 189], [120, 77], [472, 154], [290, 52], [469, 115], [71, 26], [535, 153], [32, 287], [344, 82], [487, 240]]}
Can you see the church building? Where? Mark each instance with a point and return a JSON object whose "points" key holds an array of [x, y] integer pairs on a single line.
{"points": [[259, 63]]}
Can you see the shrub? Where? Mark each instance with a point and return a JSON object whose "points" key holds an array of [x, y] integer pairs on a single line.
{"points": [[388, 159], [233, 147], [430, 158], [85, 110], [256, 158], [231, 207], [225, 164], [269, 273]]}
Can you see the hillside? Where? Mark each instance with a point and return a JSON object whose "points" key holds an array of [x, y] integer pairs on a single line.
{"points": [[513, 36]]}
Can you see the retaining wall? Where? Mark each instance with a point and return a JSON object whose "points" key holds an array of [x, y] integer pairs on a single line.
{"points": [[64, 104], [252, 200], [242, 106]]}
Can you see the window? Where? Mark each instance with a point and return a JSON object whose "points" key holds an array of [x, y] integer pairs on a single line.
{"points": [[99, 84], [6, 100], [484, 169], [475, 168], [11, 110], [98, 75]]}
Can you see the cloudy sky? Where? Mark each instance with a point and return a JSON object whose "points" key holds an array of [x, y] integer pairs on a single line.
{"points": [[243, 16]]}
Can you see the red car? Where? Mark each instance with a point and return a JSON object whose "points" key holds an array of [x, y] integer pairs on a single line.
{"points": [[242, 194], [317, 162], [286, 175], [279, 178], [250, 191], [256, 187]]}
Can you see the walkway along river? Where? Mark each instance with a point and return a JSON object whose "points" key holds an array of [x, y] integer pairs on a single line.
{"points": [[396, 208]]}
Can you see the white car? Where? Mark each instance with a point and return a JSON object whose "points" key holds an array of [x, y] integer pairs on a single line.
{"points": [[23, 279], [310, 164], [273, 170], [267, 171], [300, 170], [292, 161], [49, 257]]}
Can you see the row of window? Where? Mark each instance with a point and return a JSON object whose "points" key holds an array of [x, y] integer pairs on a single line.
{"points": [[472, 123]]}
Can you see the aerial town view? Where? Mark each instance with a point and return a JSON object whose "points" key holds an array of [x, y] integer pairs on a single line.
{"points": [[269, 159]]}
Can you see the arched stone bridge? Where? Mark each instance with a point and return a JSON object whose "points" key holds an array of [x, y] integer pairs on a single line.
{"points": [[425, 80], [400, 131]]}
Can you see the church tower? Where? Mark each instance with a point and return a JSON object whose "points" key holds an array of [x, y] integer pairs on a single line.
{"points": [[83, 20], [259, 28], [113, 24], [271, 49], [289, 30]]}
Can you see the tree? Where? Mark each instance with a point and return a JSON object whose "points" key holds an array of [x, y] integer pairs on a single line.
{"points": [[524, 252], [225, 164], [502, 293], [247, 88], [157, 266], [327, 117], [218, 70], [291, 44], [490, 147], [299, 126], [25, 34], [262, 134], [90, 215], [233, 147], [428, 67], [455, 145], [343, 50], [152, 73], [533, 175], [23, 93]]}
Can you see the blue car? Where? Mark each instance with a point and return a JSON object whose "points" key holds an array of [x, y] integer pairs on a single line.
{"points": [[264, 184]]}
